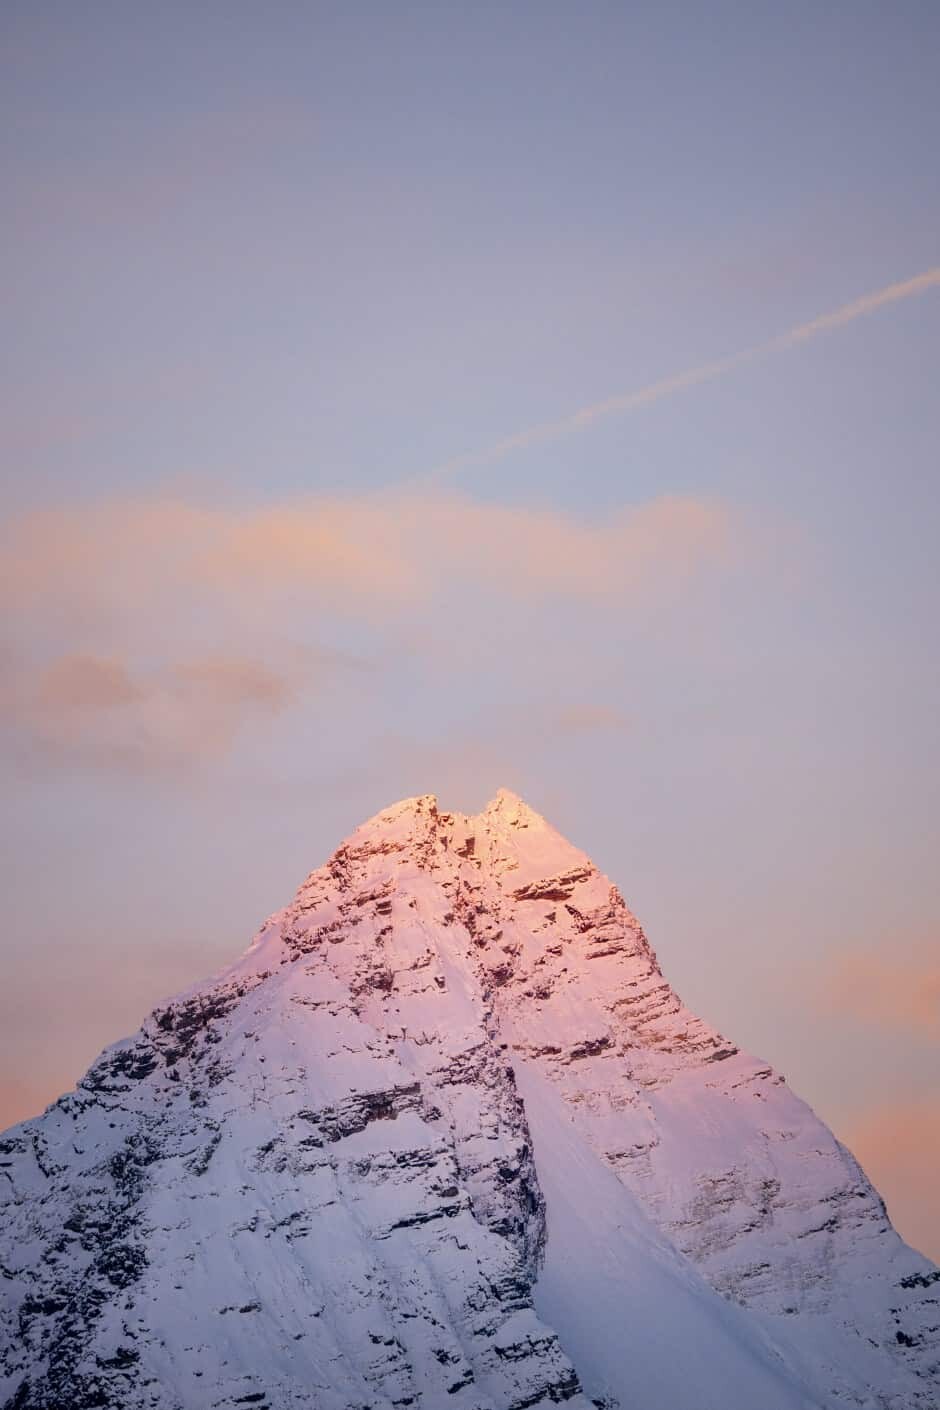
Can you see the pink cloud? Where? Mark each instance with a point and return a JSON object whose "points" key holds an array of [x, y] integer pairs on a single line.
{"points": [[85, 682], [235, 683], [374, 554], [98, 711], [107, 608]]}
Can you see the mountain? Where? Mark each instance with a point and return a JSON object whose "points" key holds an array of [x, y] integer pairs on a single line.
{"points": [[445, 1137]]}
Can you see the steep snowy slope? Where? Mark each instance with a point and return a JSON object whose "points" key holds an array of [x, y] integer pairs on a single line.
{"points": [[445, 1137]]}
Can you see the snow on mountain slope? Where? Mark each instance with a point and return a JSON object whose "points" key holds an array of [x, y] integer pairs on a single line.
{"points": [[641, 1327], [444, 1136]]}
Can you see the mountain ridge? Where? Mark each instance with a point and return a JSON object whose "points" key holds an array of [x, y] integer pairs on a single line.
{"points": [[362, 1143]]}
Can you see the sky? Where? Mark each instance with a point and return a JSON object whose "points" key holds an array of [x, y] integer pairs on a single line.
{"points": [[432, 398]]}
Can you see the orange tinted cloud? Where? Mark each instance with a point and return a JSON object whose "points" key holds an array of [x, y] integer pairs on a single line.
{"points": [[355, 546], [899, 1147], [370, 556], [85, 682], [108, 607], [98, 711], [900, 992], [235, 683]]}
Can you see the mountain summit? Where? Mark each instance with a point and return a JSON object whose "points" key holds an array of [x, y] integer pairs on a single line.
{"points": [[444, 1136]]}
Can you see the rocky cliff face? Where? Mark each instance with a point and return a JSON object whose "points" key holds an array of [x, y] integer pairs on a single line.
{"points": [[445, 1137]]}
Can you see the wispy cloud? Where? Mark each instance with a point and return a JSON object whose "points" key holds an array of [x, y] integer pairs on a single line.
{"points": [[370, 555], [692, 377], [106, 610], [101, 712], [85, 683], [897, 990]]}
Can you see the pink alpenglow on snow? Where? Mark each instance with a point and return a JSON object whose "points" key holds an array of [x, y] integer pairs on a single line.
{"points": [[445, 1136]]}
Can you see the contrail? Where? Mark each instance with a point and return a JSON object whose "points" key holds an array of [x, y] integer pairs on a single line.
{"points": [[706, 372]]}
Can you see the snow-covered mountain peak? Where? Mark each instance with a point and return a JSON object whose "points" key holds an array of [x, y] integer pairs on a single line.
{"points": [[445, 1136], [505, 814], [505, 836], [508, 809]]}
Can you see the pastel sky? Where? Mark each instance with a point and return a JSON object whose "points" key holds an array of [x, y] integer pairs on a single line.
{"points": [[427, 398]]}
